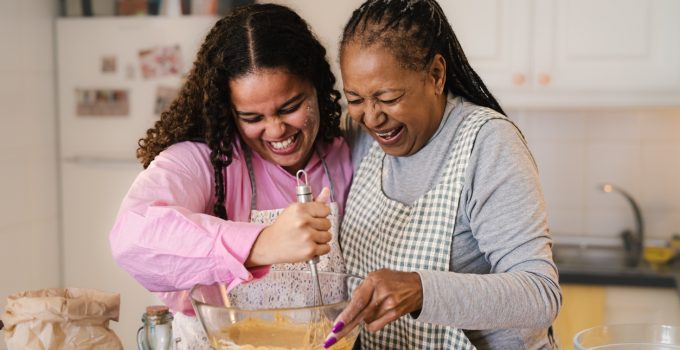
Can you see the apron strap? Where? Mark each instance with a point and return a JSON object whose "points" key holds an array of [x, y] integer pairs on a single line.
{"points": [[251, 175], [328, 175]]}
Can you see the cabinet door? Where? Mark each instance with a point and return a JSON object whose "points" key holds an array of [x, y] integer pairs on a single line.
{"points": [[582, 307], [586, 306], [495, 36], [607, 46]]}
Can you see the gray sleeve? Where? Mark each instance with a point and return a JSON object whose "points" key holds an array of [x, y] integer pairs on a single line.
{"points": [[503, 275]]}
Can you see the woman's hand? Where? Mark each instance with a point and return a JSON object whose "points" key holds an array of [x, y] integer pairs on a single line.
{"points": [[383, 296], [300, 233]]}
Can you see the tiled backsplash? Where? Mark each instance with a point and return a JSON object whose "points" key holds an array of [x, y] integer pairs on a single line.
{"points": [[579, 150]]}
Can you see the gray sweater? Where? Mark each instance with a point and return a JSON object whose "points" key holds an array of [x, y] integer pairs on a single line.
{"points": [[502, 288]]}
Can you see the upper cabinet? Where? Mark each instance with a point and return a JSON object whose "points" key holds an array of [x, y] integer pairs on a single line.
{"points": [[566, 53]]}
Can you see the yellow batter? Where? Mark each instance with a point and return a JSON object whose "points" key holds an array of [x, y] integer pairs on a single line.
{"points": [[280, 334]]}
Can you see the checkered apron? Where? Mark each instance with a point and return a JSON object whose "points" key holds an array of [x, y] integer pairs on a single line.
{"points": [[378, 232]]}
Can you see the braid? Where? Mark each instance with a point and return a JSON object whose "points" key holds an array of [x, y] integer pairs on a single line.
{"points": [[259, 36], [415, 31]]}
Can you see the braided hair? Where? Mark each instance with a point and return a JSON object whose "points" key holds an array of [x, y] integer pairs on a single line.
{"points": [[254, 37], [414, 31]]}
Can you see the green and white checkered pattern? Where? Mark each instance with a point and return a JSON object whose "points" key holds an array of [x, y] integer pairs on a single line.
{"points": [[378, 232]]}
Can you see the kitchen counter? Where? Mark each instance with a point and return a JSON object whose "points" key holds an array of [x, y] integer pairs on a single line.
{"points": [[643, 275], [605, 265]]}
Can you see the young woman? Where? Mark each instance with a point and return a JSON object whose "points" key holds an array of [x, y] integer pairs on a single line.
{"points": [[446, 219], [214, 201]]}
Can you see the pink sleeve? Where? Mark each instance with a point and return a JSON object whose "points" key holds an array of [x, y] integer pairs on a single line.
{"points": [[164, 239]]}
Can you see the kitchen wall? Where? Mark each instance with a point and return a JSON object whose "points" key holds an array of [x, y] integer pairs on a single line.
{"points": [[577, 150], [29, 245]]}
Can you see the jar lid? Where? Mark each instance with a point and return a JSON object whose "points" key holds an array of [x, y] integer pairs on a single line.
{"points": [[155, 310]]}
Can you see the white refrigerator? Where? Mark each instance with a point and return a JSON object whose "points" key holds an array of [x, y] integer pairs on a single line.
{"points": [[114, 75]]}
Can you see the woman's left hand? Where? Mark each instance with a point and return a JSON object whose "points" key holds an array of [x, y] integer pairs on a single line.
{"points": [[383, 296]]}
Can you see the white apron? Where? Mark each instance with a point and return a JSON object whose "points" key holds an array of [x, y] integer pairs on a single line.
{"points": [[378, 232], [189, 330]]}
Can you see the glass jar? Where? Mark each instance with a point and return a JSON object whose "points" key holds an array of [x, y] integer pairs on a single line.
{"points": [[156, 331]]}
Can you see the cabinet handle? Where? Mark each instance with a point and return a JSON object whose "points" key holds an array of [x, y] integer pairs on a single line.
{"points": [[519, 79], [544, 79]]}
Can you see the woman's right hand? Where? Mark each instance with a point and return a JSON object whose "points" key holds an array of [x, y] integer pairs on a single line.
{"points": [[300, 233]]}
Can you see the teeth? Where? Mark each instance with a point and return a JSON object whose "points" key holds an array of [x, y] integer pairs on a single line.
{"points": [[283, 144], [388, 134]]}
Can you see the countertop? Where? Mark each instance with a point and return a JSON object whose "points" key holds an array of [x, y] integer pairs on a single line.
{"points": [[605, 265]]}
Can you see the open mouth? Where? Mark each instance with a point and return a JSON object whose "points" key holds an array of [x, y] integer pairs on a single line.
{"points": [[389, 136], [284, 146]]}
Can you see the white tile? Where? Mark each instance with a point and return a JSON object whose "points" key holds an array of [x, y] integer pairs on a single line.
{"points": [[661, 223], [660, 125], [561, 170], [609, 222], [619, 125], [555, 126], [566, 221], [617, 163], [660, 167]]}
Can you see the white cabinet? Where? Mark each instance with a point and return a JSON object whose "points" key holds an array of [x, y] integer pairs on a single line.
{"points": [[496, 37], [562, 53]]}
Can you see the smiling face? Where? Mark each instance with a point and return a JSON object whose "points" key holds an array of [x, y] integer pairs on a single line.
{"points": [[401, 108], [277, 116]]}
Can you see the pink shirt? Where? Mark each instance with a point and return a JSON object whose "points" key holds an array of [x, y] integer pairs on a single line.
{"points": [[166, 235]]}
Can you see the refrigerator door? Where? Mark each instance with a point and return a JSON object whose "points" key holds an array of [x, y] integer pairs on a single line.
{"points": [[86, 45], [91, 194], [97, 149]]}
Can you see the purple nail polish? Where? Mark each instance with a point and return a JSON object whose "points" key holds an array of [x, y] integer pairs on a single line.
{"points": [[338, 327], [329, 342]]}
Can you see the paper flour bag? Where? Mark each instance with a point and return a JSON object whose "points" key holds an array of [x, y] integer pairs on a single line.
{"points": [[58, 318]]}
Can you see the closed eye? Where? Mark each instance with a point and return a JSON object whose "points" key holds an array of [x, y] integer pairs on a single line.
{"points": [[355, 102], [391, 101], [291, 109], [251, 120]]}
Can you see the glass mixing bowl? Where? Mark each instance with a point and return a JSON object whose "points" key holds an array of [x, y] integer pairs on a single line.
{"points": [[274, 312], [628, 337]]}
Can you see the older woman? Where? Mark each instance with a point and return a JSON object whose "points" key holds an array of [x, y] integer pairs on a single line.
{"points": [[445, 220]]}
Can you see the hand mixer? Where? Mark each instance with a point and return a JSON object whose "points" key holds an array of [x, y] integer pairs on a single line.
{"points": [[304, 195]]}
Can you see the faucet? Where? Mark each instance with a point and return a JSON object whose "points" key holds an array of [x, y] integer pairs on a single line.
{"points": [[633, 242]]}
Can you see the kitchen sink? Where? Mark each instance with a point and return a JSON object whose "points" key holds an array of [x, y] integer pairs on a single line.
{"points": [[588, 262], [590, 256]]}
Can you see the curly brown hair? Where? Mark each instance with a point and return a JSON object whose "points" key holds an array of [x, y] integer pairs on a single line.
{"points": [[254, 37]]}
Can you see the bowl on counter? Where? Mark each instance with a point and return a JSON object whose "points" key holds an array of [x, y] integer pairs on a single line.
{"points": [[278, 312], [628, 337]]}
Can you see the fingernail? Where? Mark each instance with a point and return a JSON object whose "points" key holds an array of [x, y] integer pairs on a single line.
{"points": [[338, 327], [329, 342]]}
